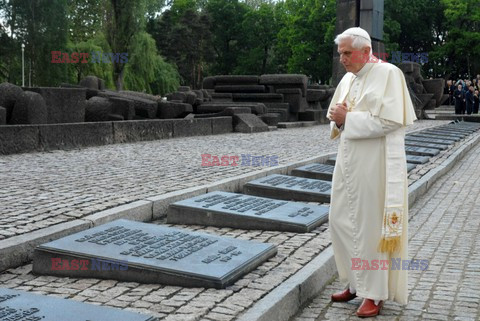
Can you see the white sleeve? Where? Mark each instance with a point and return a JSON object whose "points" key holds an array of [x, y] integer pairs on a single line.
{"points": [[362, 124], [335, 130]]}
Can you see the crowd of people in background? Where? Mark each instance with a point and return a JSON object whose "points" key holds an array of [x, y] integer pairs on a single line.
{"points": [[464, 94]]}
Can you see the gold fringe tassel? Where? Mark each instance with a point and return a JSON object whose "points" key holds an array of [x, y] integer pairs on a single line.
{"points": [[390, 245]]}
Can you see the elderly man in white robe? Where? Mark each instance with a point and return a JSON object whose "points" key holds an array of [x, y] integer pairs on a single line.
{"points": [[369, 209]]}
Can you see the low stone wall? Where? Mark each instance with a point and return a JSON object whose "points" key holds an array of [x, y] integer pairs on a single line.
{"points": [[29, 138]]}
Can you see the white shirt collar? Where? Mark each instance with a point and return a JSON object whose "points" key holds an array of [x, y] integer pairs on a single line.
{"points": [[364, 69]]}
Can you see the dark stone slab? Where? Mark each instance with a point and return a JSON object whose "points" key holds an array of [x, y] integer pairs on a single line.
{"points": [[9, 94], [332, 160], [236, 80], [124, 107], [192, 127], [314, 95], [426, 145], [285, 81], [417, 159], [64, 105], [142, 130], [460, 128], [410, 166], [261, 98], [433, 136], [421, 151], [97, 109], [294, 97], [23, 306], [429, 140], [90, 82], [247, 212], [314, 115], [271, 119], [248, 123], [240, 89], [215, 107], [290, 188], [3, 116], [18, 139], [222, 125], [145, 108], [315, 171], [67, 136], [149, 253], [208, 82], [169, 110], [225, 97], [446, 133], [30, 109]]}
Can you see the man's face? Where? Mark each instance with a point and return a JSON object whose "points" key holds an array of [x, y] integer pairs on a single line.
{"points": [[459, 87], [353, 59]]}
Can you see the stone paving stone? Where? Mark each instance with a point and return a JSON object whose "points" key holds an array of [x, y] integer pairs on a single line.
{"points": [[294, 250], [54, 187], [444, 227]]}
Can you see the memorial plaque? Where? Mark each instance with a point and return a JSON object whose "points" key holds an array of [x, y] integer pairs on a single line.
{"points": [[417, 159], [315, 171], [290, 188], [446, 133], [443, 135], [460, 128], [451, 139], [410, 166], [332, 160], [421, 151], [429, 140], [247, 212], [147, 253], [23, 306], [426, 145]]}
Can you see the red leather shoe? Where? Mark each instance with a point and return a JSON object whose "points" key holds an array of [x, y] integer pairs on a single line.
{"points": [[369, 309], [343, 296]]}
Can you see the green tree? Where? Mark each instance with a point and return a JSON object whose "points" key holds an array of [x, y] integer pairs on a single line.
{"points": [[306, 38], [259, 29], [226, 19], [183, 36], [42, 26], [146, 70]]}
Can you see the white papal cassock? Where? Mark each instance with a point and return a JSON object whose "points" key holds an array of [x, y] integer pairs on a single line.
{"points": [[382, 106]]}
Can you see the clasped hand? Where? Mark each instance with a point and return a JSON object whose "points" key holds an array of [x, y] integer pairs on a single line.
{"points": [[338, 113]]}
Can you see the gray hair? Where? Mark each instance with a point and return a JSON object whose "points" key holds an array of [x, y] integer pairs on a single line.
{"points": [[358, 41]]}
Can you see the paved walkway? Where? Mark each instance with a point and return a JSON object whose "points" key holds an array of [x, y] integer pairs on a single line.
{"points": [[43, 189], [444, 229]]}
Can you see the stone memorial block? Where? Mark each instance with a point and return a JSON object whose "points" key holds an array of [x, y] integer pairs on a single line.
{"points": [[446, 133], [332, 160], [421, 151], [315, 171], [247, 212], [290, 188], [462, 128], [147, 253], [23, 306], [64, 105], [410, 166], [429, 140], [417, 159], [426, 145], [426, 135]]}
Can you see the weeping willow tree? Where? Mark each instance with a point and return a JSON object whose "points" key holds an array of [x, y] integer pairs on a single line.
{"points": [[146, 70], [101, 70]]}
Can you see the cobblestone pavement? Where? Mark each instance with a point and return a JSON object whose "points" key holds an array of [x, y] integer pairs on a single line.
{"points": [[183, 304], [444, 228], [43, 189]]}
